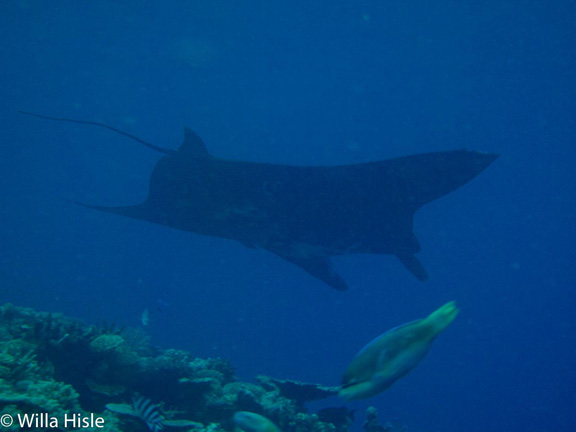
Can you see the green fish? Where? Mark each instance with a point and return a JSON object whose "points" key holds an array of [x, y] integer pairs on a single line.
{"points": [[251, 422], [392, 355]]}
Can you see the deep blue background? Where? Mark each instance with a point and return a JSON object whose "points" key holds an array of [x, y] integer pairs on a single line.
{"points": [[307, 82]]}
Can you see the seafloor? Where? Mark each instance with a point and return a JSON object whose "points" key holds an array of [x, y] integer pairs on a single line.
{"points": [[53, 364]]}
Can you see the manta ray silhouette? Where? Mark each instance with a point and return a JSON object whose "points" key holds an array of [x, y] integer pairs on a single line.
{"points": [[303, 214]]}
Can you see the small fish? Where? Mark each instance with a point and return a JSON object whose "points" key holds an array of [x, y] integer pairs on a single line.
{"points": [[392, 355], [148, 412], [251, 422]]}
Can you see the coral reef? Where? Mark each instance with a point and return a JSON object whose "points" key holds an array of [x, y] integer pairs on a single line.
{"points": [[52, 363], [371, 423]]}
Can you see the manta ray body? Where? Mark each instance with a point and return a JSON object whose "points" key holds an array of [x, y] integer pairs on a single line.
{"points": [[303, 214]]}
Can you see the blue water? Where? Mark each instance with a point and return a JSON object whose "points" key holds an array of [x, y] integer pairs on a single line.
{"points": [[307, 82]]}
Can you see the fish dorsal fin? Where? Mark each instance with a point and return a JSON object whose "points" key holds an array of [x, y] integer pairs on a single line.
{"points": [[192, 145]]}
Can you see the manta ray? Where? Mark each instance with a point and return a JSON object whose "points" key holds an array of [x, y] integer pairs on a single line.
{"points": [[303, 214]]}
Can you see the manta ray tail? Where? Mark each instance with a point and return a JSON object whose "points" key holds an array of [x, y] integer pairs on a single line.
{"points": [[118, 131]]}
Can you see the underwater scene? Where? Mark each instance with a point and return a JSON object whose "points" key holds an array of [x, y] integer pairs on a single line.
{"points": [[306, 216]]}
